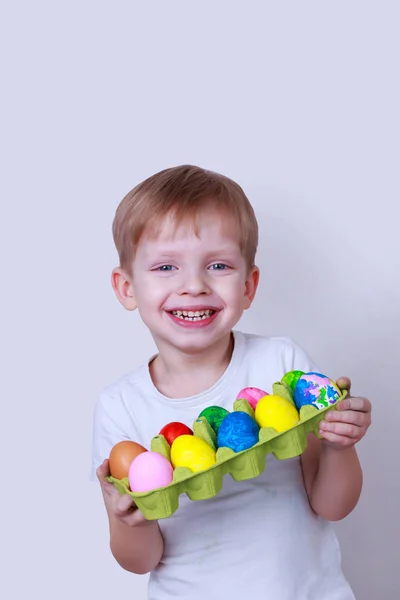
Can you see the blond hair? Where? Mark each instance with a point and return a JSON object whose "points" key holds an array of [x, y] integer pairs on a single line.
{"points": [[181, 193]]}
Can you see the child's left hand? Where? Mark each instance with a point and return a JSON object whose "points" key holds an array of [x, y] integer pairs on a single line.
{"points": [[346, 425]]}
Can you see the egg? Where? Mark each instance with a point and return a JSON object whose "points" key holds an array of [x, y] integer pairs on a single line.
{"points": [[192, 452], [276, 412], [214, 415], [252, 395], [316, 389], [149, 471], [121, 457], [291, 378], [238, 431], [173, 430]]}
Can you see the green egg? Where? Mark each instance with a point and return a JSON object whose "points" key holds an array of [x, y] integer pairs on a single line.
{"points": [[292, 377], [214, 416]]}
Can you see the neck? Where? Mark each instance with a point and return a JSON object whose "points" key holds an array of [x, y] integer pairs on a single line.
{"points": [[179, 375]]}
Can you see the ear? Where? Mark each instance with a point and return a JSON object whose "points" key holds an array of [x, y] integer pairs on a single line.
{"points": [[251, 286], [123, 288]]}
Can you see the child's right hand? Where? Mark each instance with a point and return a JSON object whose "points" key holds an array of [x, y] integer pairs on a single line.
{"points": [[121, 507]]}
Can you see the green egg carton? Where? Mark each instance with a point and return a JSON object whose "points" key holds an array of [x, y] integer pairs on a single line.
{"points": [[162, 502]]}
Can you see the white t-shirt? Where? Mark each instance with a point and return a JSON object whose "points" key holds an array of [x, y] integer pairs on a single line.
{"points": [[257, 538]]}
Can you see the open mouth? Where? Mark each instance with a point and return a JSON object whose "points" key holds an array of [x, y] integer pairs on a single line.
{"points": [[193, 315]]}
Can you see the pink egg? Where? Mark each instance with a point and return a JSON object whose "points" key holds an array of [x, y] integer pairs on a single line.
{"points": [[252, 395], [153, 472]]}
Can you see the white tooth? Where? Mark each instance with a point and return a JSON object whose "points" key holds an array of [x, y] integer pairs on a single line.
{"points": [[184, 313], [204, 317], [190, 313], [207, 312], [197, 314], [178, 312]]}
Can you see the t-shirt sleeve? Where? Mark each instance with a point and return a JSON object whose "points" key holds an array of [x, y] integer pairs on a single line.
{"points": [[109, 427], [297, 359]]}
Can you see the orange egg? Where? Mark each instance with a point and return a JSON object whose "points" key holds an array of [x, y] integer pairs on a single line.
{"points": [[121, 457]]}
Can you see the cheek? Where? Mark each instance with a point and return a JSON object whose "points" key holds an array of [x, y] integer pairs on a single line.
{"points": [[232, 291], [148, 296], [150, 292]]}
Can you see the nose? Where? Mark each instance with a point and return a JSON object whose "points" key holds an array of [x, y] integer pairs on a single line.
{"points": [[194, 283]]}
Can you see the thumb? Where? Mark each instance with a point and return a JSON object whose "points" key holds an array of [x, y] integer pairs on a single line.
{"points": [[344, 383], [103, 471]]}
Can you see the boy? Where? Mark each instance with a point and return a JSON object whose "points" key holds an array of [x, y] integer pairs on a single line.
{"points": [[187, 240]]}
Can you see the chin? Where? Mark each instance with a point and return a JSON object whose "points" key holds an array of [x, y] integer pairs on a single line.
{"points": [[196, 343]]}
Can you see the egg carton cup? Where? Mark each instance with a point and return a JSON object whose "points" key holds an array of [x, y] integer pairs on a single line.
{"points": [[162, 502]]}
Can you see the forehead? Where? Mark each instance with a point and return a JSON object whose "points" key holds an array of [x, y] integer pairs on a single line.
{"points": [[210, 226]]}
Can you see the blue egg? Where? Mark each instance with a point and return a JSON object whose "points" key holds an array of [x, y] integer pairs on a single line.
{"points": [[315, 389], [238, 431]]}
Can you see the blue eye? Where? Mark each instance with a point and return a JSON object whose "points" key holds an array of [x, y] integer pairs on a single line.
{"points": [[165, 268], [218, 267]]}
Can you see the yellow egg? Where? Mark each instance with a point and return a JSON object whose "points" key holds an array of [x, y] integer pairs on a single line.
{"points": [[193, 453], [276, 412]]}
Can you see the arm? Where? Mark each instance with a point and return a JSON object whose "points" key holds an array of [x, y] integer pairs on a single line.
{"points": [[136, 544], [137, 549], [331, 470], [332, 478]]}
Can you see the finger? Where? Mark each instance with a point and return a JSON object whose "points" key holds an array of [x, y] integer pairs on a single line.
{"points": [[342, 429], [137, 518], [338, 440], [124, 505], [127, 511], [354, 403], [344, 383], [361, 419]]}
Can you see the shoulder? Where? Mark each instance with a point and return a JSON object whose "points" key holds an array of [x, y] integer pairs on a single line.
{"points": [[256, 342], [119, 401], [278, 348], [128, 385]]}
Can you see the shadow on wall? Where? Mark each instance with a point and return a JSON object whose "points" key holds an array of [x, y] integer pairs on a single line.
{"points": [[318, 287]]}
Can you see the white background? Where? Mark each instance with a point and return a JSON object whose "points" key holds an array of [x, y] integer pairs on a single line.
{"points": [[297, 101]]}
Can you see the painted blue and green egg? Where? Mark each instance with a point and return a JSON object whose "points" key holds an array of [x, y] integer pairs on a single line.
{"points": [[315, 389]]}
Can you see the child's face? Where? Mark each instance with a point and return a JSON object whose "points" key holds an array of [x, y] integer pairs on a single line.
{"points": [[191, 290]]}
